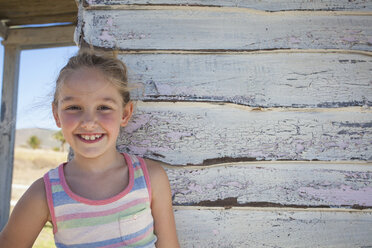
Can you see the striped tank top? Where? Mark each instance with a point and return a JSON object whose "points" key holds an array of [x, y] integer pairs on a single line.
{"points": [[123, 220]]}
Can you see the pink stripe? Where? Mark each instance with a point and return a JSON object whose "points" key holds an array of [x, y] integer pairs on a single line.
{"points": [[48, 189], [101, 213], [99, 202], [138, 238], [130, 241], [147, 177]]}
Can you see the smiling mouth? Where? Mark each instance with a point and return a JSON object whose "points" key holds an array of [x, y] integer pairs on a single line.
{"points": [[90, 138]]}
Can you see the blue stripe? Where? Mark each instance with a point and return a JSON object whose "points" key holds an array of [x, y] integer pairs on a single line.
{"points": [[139, 183], [61, 198], [54, 180], [137, 163], [111, 241], [88, 245], [140, 232]]}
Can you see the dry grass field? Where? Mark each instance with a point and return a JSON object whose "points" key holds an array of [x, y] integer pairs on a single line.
{"points": [[30, 165]]}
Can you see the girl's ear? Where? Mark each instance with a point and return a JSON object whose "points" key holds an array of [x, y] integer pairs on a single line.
{"points": [[55, 115], [127, 114]]}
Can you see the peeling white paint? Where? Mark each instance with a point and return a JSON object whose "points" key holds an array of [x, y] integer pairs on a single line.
{"points": [[307, 80], [273, 228], [217, 131], [233, 30], [266, 5]]}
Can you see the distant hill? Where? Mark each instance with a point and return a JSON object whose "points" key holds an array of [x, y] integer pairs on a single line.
{"points": [[45, 136]]}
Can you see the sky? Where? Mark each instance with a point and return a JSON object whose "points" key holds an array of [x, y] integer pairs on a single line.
{"points": [[38, 71]]}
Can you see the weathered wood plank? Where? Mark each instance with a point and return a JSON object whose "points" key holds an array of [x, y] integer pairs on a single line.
{"points": [[7, 127], [3, 30], [30, 38], [203, 133], [273, 228], [278, 5], [311, 184], [20, 12], [215, 29], [255, 79], [69, 18]]}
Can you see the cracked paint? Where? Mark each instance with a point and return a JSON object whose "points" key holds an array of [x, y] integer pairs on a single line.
{"points": [[105, 36], [137, 122], [178, 135], [343, 195]]}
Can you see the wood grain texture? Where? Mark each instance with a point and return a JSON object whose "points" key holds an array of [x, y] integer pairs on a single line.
{"points": [[7, 127], [31, 38], [267, 5], [69, 18], [214, 29], [281, 184], [203, 133], [276, 228], [19, 12], [255, 79]]}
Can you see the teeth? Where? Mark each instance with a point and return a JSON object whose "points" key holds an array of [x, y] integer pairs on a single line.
{"points": [[91, 137]]}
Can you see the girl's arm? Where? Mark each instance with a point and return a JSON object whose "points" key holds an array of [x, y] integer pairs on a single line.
{"points": [[161, 207], [27, 219]]}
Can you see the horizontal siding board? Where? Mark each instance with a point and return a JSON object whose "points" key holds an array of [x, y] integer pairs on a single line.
{"points": [[247, 228], [203, 133], [211, 29], [278, 5], [276, 184], [255, 79]]}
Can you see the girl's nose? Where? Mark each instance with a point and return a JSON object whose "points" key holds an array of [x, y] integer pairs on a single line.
{"points": [[88, 121]]}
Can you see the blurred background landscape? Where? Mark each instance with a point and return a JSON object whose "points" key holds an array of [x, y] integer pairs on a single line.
{"points": [[45, 136]]}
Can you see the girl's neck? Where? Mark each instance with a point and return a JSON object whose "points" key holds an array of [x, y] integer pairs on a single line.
{"points": [[101, 164]]}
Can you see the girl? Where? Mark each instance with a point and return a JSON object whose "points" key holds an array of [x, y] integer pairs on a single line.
{"points": [[100, 198]]}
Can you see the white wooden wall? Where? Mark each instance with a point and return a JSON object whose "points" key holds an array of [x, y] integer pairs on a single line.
{"points": [[261, 111]]}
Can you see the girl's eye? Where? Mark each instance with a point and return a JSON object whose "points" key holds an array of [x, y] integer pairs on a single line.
{"points": [[104, 107], [73, 108]]}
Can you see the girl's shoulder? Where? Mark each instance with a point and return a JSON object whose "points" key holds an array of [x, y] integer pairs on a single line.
{"points": [[37, 188], [156, 170], [35, 197], [158, 178]]}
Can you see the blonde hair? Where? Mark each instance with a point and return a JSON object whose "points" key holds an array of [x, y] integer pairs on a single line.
{"points": [[113, 69]]}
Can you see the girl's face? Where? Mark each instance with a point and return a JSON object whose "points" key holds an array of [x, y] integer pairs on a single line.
{"points": [[90, 112]]}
